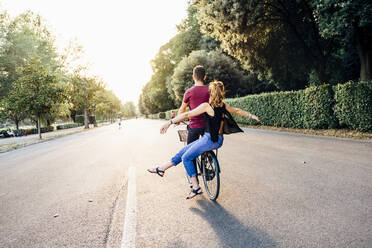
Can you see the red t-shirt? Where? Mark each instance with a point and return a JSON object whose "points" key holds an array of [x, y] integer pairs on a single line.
{"points": [[195, 96]]}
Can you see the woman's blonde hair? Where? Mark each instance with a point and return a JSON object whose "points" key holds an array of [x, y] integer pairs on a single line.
{"points": [[217, 93]]}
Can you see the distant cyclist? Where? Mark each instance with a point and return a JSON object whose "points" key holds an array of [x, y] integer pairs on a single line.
{"points": [[213, 112], [119, 123]]}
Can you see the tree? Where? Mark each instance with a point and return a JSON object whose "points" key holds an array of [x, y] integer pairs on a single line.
{"points": [[107, 104], [279, 39], [12, 109], [129, 110], [37, 90], [141, 105], [158, 95], [82, 92], [218, 67], [24, 38], [348, 22]]}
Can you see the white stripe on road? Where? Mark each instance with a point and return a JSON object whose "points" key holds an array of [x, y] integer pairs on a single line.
{"points": [[130, 222]]}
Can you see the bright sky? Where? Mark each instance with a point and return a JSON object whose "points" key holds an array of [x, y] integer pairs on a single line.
{"points": [[119, 37]]}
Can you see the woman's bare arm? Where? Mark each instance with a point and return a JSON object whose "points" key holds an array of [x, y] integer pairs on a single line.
{"points": [[202, 108], [240, 112]]}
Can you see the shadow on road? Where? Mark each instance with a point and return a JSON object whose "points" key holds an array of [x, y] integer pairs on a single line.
{"points": [[230, 231]]}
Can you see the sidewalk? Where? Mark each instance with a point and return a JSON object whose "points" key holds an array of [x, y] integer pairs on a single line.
{"points": [[14, 142]]}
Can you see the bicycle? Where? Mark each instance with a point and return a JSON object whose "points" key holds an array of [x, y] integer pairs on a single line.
{"points": [[207, 167]]}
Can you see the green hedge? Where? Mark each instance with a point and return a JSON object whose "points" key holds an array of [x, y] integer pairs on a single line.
{"points": [[42, 130], [102, 121], [92, 119], [68, 125], [274, 109], [354, 105], [169, 112], [162, 115], [317, 107], [79, 119], [309, 108]]}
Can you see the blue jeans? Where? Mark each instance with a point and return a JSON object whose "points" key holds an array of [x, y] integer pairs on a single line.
{"points": [[194, 149]]}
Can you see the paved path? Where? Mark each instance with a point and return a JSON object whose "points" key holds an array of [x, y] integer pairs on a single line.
{"points": [[269, 196]]}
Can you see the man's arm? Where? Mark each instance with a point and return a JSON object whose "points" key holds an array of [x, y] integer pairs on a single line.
{"points": [[183, 108]]}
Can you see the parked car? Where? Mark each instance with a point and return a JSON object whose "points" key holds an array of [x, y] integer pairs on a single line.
{"points": [[6, 134]]}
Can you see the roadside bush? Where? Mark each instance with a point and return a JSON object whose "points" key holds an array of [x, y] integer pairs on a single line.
{"points": [[161, 115], [79, 119], [68, 125], [281, 109], [102, 121], [42, 130], [318, 107], [169, 112], [354, 105], [92, 119]]}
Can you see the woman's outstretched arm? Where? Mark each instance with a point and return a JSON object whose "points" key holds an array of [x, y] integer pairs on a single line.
{"points": [[240, 112], [202, 108]]}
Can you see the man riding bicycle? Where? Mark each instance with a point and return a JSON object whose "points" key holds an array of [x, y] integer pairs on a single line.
{"points": [[192, 98]]}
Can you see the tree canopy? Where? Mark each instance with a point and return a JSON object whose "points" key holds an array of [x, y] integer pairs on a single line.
{"points": [[288, 40], [38, 83]]}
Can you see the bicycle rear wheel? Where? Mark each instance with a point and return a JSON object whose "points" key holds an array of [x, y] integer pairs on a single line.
{"points": [[211, 174]]}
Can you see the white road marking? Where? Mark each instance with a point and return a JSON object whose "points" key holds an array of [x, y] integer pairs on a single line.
{"points": [[130, 222]]}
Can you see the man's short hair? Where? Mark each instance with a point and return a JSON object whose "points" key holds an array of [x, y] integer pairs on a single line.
{"points": [[199, 72]]}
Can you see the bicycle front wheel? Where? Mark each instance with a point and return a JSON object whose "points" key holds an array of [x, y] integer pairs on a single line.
{"points": [[211, 174]]}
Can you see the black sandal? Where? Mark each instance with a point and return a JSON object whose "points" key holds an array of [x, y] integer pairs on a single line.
{"points": [[196, 192], [157, 171]]}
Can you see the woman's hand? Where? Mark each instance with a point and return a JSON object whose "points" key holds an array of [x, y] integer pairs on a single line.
{"points": [[255, 118], [165, 127]]}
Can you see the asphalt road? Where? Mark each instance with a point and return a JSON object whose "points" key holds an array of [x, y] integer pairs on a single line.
{"points": [[278, 190]]}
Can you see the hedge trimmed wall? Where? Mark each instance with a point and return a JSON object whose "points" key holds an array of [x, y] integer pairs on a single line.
{"points": [[309, 108], [80, 119], [354, 105], [163, 115], [42, 130], [274, 109], [316, 107], [68, 125]]}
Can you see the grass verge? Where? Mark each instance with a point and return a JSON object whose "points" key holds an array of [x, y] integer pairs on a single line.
{"points": [[340, 133], [9, 147]]}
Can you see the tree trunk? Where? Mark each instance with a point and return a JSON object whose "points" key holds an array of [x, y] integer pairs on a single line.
{"points": [[17, 124], [86, 118], [364, 48], [73, 114], [320, 72], [365, 56], [38, 127]]}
